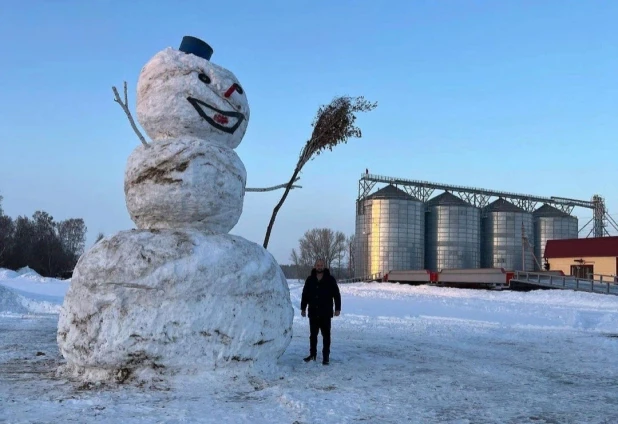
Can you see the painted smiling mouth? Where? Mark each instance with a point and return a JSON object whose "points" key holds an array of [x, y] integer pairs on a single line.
{"points": [[216, 117]]}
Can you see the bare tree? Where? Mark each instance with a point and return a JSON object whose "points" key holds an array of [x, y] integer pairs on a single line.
{"points": [[7, 229], [46, 244], [301, 266], [351, 254], [50, 248], [6, 233], [319, 243], [23, 240], [333, 125], [72, 234], [295, 258], [100, 237]]}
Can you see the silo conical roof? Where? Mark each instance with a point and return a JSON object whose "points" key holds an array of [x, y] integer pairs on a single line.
{"points": [[447, 199], [391, 192], [502, 205], [547, 211]]}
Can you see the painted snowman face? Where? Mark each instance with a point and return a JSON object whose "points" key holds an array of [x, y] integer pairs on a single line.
{"points": [[181, 95]]}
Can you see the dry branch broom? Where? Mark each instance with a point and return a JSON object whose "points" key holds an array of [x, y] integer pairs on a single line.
{"points": [[333, 125]]}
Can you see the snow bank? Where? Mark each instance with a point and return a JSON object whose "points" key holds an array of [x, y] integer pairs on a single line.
{"points": [[28, 273], [30, 284], [7, 274], [11, 302], [14, 303], [26, 292], [41, 306]]}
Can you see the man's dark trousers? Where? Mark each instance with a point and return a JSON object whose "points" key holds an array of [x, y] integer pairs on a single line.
{"points": [[319, 324]]}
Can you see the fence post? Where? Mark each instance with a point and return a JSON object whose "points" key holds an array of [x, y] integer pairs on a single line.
{"points": [[563, 281], [551, 280], [577, 283]]}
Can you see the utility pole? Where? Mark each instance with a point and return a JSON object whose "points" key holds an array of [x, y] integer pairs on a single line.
{"points": [[523, 247]]}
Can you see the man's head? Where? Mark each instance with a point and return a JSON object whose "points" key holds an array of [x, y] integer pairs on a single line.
{"points": [[319, 266]]}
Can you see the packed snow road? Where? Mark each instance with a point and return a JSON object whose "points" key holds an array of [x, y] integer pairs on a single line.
{"points": [[399, 354]]}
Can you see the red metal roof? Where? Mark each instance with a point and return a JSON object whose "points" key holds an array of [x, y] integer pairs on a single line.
{"points": [[582, 247]]}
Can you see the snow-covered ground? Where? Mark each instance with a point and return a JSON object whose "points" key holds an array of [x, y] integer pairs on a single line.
{"points": [[31, 293], [399, 354]]}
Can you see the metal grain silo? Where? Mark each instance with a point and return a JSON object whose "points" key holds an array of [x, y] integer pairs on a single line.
{"points": [[552, 224], [390, 232], [501, 237], [452, 234]]}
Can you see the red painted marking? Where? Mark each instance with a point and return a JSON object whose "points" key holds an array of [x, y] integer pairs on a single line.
{"points": [[221, 119], [230, 90]]}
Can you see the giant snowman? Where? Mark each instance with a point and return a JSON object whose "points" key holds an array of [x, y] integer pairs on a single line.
{"points": [[179, 293]]}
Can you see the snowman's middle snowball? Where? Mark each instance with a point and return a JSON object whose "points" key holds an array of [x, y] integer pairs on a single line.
{"points": [[185, 183]]}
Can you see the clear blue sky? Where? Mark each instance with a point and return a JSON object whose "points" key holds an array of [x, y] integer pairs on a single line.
{"points": [[511, 95]]}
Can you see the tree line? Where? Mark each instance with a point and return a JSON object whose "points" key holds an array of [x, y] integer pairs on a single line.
{"points": [[49, 247], [52, 248], [322, 243]]}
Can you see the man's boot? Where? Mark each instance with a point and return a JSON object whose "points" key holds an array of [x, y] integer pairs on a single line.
{"points": [[325, 360], [309, 358]]}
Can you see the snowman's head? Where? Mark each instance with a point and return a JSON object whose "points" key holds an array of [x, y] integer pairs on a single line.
{"points": [[183, 94]]}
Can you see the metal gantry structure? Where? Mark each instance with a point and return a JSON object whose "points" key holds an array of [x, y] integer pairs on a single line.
{"points": [[479, 197]]}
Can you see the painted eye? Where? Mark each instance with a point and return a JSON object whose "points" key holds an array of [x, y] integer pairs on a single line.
{"points": [[239, 89], [204, 78]]}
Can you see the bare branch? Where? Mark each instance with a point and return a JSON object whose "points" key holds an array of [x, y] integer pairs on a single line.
{"points": [[278, 206], [125, 107], [277, 187], [273, 188]]}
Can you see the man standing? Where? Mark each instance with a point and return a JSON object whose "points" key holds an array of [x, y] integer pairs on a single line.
{"points": [[318, 293]]}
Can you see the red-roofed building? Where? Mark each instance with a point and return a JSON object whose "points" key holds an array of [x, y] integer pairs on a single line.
{"points": [[583, 256]]}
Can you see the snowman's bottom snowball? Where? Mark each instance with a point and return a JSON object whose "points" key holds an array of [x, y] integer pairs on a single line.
{"points": [[174, 300]]}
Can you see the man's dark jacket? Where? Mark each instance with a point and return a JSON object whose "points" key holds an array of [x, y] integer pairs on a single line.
{"points": [[319, 295]]}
